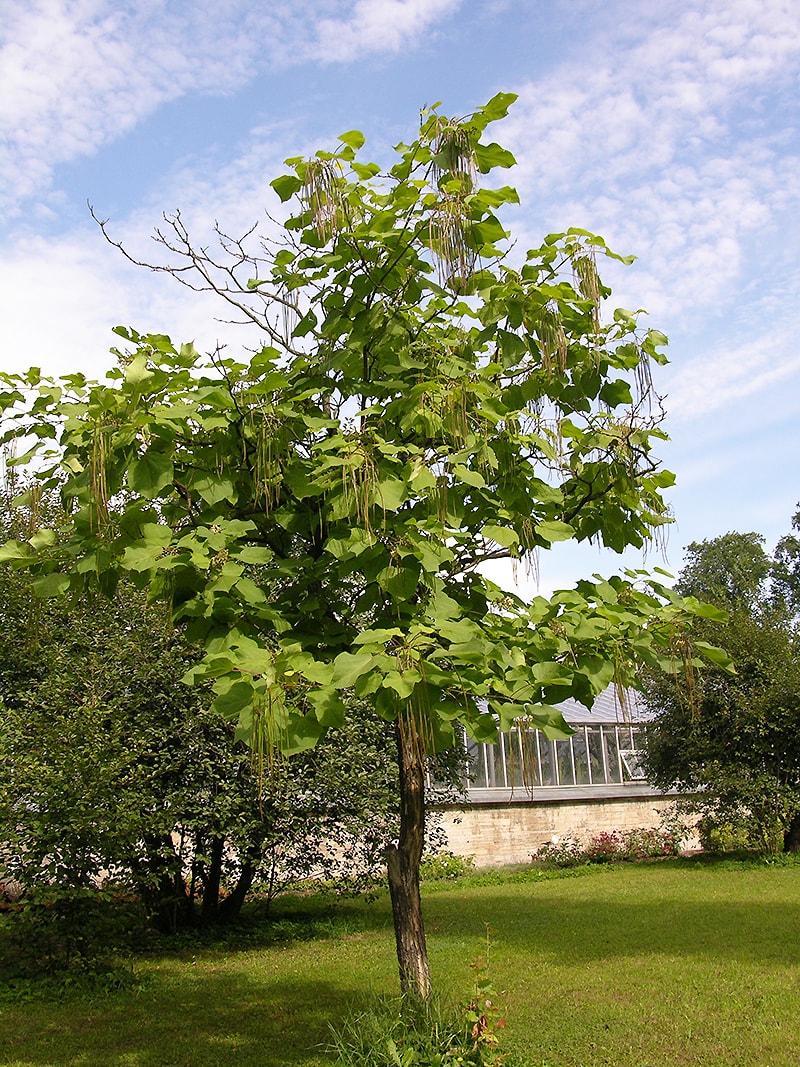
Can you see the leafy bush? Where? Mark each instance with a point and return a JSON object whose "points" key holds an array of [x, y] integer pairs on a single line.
{"points": [[561, 852], [445, 866], [77, 936], [724, 835], [612, 847]]}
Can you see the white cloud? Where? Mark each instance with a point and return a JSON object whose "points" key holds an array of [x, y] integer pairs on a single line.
{"points": [[378, 25], [724, 375], [680, 144], [77, 74]]}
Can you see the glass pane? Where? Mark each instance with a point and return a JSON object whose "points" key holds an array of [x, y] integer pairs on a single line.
{"points": [[581, 757], [497, 760], [547, 761], [477, 764], [564, 758], [511, 741], [612, 753], [596, 755]]}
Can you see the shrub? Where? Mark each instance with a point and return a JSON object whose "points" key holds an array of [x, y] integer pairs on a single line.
{"points": [[561, 852], [611, 847], [75, 935], [445, 866], [723, 835], [605, 847]]}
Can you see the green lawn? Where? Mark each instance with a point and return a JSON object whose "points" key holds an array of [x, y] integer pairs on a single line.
{"points": [[652, 965]]}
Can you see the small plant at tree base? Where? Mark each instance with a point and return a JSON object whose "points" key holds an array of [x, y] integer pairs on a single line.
{"points": [[411, 1032]]}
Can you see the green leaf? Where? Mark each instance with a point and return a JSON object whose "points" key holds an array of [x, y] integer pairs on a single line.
{"points": [[305, 325], [390, 493], [377, 638], [214, 489], [502, 535], [549, 720], [41, 539], [488, 156], [403, 683], [616, 393], [714, 655], [469, 477], [249, 591], [348, 666], [554, 530], [234, 699], [353, 139], [497, 107], [550, 673], [14, 550], [50, 585], [301, 734], [329, 708], [136, 372], [150, 473], [254, 554], [286, 186]]}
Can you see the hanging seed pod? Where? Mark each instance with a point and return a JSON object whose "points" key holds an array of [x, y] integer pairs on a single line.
{"points": [[322, 194]]}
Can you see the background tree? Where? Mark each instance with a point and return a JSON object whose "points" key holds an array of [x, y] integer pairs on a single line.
{"points": [[734, 740], [420, 408], [108, 762], [731, 570], [785, 572]]}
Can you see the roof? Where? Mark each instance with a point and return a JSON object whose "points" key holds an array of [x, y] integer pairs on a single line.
{"points": [[606, 708]]}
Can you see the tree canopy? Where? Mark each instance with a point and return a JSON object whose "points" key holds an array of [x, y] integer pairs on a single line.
{"points": [[734, 739], [318, 512], [731, 570], [108, 763], [785, 572]]}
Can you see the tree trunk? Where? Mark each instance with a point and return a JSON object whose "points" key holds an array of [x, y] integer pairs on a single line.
{"points": [[230, 907], [211, 882], [164, 891], [403, 860], [791, 838]]}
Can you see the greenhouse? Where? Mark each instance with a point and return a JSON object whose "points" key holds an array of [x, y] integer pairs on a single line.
{"points": [[526, 790], [603, 753]]}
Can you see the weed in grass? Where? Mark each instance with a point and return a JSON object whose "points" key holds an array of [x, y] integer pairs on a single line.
{"points": [[407, 1032]]}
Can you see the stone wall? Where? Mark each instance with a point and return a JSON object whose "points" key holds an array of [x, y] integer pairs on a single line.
{"points": [[496, 834]]}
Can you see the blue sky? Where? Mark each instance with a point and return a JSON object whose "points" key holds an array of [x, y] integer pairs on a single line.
{"points": [[671, 129]]}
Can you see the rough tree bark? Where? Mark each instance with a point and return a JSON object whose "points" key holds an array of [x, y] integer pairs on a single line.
{"points": [[403, 860]]}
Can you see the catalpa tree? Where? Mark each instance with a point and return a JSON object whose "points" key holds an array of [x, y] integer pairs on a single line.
{"points": [[319, 513]]}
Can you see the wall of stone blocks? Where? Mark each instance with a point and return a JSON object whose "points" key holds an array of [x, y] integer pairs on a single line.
{"points": [[496, 834]]}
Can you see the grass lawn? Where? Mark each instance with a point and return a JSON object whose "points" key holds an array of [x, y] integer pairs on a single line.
{"points": [[652, 965]]}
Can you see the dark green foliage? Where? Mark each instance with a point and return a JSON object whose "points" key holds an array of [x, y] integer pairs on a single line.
{"points": [[731, 571], [118, 778], [785, 573], [734, 739]]}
